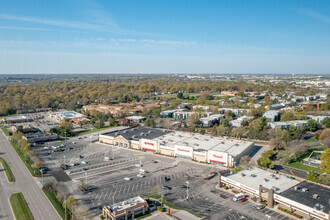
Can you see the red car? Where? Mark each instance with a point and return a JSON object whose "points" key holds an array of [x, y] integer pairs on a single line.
{"points": [[243, 199]]}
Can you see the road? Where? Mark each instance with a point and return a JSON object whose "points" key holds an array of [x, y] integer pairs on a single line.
{"points": [[39, 205]]}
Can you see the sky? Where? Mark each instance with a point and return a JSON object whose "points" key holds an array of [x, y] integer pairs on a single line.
{"points": [[173, 36]]}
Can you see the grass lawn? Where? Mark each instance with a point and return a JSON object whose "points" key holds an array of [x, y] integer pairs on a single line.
{"points": [[88, 131], [57, 204], [20, 208], [5, 131], [7, 169], [28, 162], [143, 216], [301, 166], [1, 117]]}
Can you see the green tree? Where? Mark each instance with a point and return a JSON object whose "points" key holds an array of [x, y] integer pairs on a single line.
{"points": [[312, 177], [312, 125], [180, 95], [193, 121], [156, 112], [150, 122], [154, 191], [326, 122], [288, 116]]}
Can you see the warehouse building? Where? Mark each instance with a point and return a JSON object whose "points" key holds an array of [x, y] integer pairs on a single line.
{"points": [[304, 198], [197, 147], [128, 209]]}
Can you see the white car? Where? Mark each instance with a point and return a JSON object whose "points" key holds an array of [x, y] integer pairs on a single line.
{"points": [[84, 162], [127, 178], [140, 175], [138, 165]]}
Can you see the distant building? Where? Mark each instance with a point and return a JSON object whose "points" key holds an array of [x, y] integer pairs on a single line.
{"points": [[136, 119], [285, 125], [318, 118], [233, 110], [167, 114], [40, 137], [67, 115], [128, 209], [210, 120], [228, 93], [23, 129], [238, 122], [15, 119], [272, 115], [182, 114], [203, 108], [276, 106]]}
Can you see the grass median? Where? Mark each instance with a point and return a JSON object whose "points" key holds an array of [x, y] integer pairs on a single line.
{"points": [[20, 208], [56, 204], [7, 169], [5, 131], [35, 172]]}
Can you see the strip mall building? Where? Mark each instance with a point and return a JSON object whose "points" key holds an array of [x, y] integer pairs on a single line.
{"points": [[197, 147]]}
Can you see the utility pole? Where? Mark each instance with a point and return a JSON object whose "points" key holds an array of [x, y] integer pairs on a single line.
{"points": [[187, 189]]}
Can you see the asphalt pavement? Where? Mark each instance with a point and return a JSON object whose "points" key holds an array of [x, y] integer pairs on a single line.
{"points": [[36, 200]]}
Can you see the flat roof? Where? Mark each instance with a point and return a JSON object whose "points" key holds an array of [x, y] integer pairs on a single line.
{"points": [[137, 133], [306, 198], [204, 142], [253, 177], [14, 117], [119, 206]]}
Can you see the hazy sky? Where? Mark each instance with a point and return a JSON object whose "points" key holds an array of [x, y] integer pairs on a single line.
{"points": [[172, 36]]}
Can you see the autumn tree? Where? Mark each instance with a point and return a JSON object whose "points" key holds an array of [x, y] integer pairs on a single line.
{"points": [[325, 161], [193, 121], [288, 116]]}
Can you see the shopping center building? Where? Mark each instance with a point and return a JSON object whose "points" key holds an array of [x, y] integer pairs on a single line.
{"points": [[310, 200], [197, 147]]}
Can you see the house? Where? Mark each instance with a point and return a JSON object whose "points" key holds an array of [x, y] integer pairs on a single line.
{"points": [[238, 122], [233, 110], [136, 119], [210, 120]]}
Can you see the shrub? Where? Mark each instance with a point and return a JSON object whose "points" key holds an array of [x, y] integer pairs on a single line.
{"points": [[226, 187], [102, 217], [235, 191], [159, 208], [289, 212]]}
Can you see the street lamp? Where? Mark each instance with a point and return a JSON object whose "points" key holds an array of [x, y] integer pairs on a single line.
{"points": [[187, 189], [64, 159], [65, 208], [86, 178]]}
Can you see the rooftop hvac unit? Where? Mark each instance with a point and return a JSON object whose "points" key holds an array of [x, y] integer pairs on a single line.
{"points": [[125, 131], [296, 188], [150, 132], [266, 180], [305, 190], [243, 174], [116, 133], [316, 196], [253, 175]]}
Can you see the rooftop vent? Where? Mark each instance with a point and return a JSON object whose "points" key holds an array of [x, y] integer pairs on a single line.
{"points": [[243, 174], [253, 175], [316, 196], [266, 180]]}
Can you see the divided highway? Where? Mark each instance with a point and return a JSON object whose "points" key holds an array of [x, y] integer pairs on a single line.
{"points": [[39, 205]]}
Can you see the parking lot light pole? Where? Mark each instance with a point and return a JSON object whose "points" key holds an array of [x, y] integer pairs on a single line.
{"points": [[86, 178], [64, 159], [187, 189]]}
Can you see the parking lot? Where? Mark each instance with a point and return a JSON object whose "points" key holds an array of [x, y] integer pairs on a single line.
{"points": [[116, 179]]}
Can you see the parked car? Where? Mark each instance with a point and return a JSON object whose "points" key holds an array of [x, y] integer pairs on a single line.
{"points": [[184, 186], [167, 178], [243, 199], [140, 175], [84, 162], [166, 188], [128, 178], [238, 197]]}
